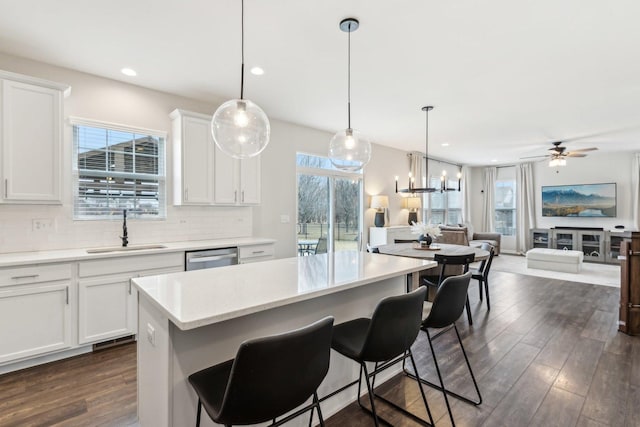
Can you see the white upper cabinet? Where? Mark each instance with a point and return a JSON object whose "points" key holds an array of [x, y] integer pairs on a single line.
{"points": [[236, 181], [203, 174], [31, 118], [192, 156]]}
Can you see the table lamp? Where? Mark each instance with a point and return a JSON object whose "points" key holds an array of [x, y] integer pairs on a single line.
{"points": [[413, 204], [380, 203]]}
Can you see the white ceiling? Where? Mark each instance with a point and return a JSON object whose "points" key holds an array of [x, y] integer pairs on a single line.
{"points": [[507, 77]]}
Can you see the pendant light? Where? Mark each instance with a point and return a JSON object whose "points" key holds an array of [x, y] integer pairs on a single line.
{"points": [[239, 127], [349, 149]]}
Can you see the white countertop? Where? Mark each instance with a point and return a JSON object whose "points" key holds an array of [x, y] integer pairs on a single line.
{"points": [[197, 298], [65, 255]]}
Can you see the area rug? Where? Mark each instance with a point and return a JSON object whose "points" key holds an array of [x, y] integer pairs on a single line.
{"points": [[593, 273]]}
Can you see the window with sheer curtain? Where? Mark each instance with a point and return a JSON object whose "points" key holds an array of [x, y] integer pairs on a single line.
{"points": [[118, 168], [443, 207]]}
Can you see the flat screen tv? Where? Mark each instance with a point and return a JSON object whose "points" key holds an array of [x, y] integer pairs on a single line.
{"points": [[582, 200]]}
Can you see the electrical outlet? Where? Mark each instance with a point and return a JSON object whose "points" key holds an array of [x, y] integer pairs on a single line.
{"points": [[151, 334], [43, 224]]}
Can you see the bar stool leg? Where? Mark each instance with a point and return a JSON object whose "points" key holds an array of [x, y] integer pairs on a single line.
{"points": [[444, 392], [199, 413], [424, 396], [373, 406]]}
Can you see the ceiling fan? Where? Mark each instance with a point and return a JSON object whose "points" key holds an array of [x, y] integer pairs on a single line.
{"points": [[558, 154]]}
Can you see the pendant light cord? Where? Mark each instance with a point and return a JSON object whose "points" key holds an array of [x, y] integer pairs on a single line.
{"points": [[349, 80], [242, 50]]}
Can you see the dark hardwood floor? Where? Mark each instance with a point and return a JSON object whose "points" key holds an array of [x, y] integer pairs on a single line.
{"points": [[547, 354]]}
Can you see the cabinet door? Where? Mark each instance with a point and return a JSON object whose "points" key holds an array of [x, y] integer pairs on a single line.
{"points": [[250, 180], [35, 319], [225, 178], [106, 309], [197, 149], [31, 142], [591, 243], [565, 239]]}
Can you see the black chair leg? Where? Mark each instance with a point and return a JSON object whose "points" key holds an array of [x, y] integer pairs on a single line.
{"points": [[468, 308], [444, 392], [486, 291], [424, 396], [199, 412], [317, 403], [480, 289], [373, 405], [466, 359]]}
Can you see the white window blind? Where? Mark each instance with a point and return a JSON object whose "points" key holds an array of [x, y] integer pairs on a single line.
{"points": [[118, 168]]}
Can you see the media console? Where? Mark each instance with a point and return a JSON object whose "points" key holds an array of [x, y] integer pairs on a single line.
{"points": [[597, 244]]}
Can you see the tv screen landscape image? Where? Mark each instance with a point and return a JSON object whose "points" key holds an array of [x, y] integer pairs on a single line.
{"points": [[583, 200]]}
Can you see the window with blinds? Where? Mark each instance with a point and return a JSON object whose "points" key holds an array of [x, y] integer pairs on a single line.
{"points": [[116, 169]]}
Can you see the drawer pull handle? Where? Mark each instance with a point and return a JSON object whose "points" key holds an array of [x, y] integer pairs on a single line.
{"points": [[257, 252], [27, 276]]}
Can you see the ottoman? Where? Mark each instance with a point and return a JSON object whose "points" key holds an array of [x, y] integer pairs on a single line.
{"points": [[555, 259]]}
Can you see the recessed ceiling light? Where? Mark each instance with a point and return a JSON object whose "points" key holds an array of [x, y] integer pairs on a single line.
{"points": [[129, 72], [445, 144], [257, 71]]}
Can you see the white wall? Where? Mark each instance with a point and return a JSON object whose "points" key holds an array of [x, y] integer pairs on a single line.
{"points": [[595, 168], [97, 98]]}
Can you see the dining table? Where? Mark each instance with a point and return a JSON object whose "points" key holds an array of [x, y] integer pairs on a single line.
{"points": [[414, 250]]}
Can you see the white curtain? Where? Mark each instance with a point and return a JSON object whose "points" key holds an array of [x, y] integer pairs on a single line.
{"points": [[466, 195], [525, 209], [416, 167], [635, 195], [489, 205]]}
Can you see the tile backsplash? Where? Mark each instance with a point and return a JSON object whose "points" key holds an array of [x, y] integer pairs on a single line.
{"points": [[36, 227]]}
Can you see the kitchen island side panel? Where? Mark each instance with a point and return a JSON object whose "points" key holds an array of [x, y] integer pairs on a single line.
{"points": [[199, 348]]}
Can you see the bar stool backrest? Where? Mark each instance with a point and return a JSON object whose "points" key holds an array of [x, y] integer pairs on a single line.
{"points": [[394, 326], [275, 374], [449, 302]]}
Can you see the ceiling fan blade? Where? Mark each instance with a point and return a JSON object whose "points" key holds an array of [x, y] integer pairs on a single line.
{"points": [[533, 157], [574, 154], [580, 150]]}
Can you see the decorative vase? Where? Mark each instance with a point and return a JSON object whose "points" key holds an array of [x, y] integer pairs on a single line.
{"points": [[425, 240]]}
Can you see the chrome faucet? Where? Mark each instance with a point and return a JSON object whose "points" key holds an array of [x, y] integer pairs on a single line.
{"points": [[124, 237]]}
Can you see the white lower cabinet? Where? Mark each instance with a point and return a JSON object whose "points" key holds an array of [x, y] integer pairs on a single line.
{"points": [[36, 311], [106, 309], [107, 303], [256, 253]]}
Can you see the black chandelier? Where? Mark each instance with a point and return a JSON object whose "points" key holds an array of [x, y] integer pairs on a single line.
{"points": [[411, 189]]}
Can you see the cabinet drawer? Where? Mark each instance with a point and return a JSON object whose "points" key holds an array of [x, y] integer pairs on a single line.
{"points": [[34, 274], [129, 263], [255, 251]]}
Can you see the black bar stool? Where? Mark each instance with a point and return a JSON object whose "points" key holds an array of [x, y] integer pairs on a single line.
{"points": [[269, 377], [447, 307], [450, 260], [385, 339]]}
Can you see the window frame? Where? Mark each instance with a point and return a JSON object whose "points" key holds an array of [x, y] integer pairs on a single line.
{"points": [[161, 176], [428, 210]]}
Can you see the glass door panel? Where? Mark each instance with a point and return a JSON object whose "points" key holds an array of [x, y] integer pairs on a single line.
{"points": [[347, 214], [313, 214], [565, 240]]}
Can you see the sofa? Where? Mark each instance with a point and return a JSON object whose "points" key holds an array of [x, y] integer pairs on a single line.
{"points": [[462, 234]]}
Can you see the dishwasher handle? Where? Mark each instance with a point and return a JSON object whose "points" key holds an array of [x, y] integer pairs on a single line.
{"points": [[206, 258]]}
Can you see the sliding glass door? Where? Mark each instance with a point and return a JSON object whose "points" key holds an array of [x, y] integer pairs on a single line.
{"points": [[329, 207]]}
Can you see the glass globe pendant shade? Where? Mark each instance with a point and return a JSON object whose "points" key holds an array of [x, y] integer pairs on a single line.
{"points": [[240, 128], [349, 150]]}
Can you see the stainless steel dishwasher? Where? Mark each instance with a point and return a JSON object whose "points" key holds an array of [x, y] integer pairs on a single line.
{"points": [[210, 258]]}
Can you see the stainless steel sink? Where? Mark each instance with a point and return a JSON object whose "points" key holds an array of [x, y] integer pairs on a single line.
{"points": [[124, 249]]}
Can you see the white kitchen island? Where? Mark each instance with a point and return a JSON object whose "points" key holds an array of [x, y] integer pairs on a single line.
{"points": [[192, 320]]}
